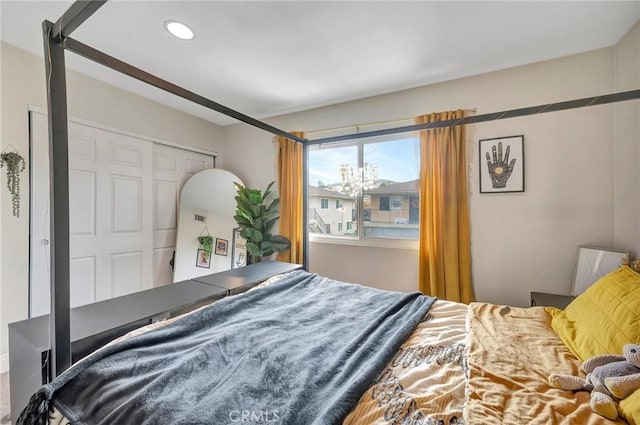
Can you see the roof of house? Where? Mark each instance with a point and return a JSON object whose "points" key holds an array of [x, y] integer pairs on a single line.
{"points": [[396, 188], [320, 191]]}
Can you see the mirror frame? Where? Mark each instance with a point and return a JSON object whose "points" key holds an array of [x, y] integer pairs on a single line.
{"points": [[206, 207]]}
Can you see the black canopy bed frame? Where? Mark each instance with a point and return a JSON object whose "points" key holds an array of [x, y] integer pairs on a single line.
{"points": [[57, 40]]}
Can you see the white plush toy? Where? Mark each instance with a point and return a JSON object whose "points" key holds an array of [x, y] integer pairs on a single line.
{"points": [[610, 377]]}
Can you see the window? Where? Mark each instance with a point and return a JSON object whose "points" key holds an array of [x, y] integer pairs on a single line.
{"points": [[395, 202], [374, 183]]}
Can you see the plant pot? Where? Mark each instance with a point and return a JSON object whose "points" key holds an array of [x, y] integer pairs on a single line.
{"points": [[255, 259]]}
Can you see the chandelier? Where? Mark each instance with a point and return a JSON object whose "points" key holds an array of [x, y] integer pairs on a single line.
{"points": [[356, 181]]}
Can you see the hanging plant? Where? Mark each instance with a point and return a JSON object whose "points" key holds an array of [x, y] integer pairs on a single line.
{"points": [[206, 243], [15, 164]]}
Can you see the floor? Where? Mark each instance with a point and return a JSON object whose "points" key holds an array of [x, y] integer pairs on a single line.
{"points": [[5, 414]]}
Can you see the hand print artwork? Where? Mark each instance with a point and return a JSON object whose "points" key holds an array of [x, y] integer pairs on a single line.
{"points": [[502, 164], [500, 169]]}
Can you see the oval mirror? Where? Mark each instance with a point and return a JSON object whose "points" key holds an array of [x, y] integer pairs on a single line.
{"points": [[207, 207]]}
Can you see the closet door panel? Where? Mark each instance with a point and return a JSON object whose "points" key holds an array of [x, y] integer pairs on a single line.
{"points": [[82, 286], [82, 203], [127, 273], [162, 273], [127, 205], [123, 200]]}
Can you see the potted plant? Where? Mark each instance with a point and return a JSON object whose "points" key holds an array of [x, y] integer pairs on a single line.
{"points": [[14, 164], [206, 243], [256, 219]]}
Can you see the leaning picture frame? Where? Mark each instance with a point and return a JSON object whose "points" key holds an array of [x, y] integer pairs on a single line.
{"points": [[501, 164], [238, 250], [593, 263]]}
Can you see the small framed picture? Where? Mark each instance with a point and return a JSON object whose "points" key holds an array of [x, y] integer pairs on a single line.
{"points": [[221, 246], [203, 259], [238, 250], [502, 164]]}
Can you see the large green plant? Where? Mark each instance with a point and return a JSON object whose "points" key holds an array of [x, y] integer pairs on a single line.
{"points": [[256, 220]]}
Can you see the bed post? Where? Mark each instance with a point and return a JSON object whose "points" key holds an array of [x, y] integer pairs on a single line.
{"points": [[60, 327], [75, 16], [305, 206]]}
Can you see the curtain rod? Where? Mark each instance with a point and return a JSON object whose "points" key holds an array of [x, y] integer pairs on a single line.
{"points": [[357, 126], [512, 113]]}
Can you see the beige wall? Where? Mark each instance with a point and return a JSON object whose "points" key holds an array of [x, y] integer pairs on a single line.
{"points": [[627, 144], [23, 84], [521, 242]]}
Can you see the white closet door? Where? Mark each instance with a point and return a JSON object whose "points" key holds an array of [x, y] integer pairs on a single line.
{"points": [[110, 214], [171, 168], [123, 199]]}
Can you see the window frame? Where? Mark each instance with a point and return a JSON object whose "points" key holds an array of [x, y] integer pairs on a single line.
{"points": [[359, 239]]}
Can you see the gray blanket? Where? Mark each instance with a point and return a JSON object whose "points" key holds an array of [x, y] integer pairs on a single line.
{"points": [[299, 351]]}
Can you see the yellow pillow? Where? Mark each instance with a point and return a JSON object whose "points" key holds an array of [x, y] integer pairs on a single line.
{"points": [[630, 408], [604, 318]]}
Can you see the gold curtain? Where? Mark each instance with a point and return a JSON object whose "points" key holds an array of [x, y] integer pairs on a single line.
{"points": [[445, 248], [290, 185]]}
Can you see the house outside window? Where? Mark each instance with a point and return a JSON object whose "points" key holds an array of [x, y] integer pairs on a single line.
{"points": [[369, 205]]}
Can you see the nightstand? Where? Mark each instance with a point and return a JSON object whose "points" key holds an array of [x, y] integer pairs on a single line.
{"points": [[550, 300]]}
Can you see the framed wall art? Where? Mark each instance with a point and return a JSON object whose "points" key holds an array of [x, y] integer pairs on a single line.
{"points": [[222, 246], [501, 164], [203, 259]]}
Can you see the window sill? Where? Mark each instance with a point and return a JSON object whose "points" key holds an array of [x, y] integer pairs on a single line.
{"points": [[369, 242]]}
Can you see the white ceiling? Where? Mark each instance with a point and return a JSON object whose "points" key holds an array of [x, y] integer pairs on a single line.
{"points": [[268, 58]]}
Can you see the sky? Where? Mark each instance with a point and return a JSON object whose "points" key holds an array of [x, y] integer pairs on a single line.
{"points": [[396, 160]]}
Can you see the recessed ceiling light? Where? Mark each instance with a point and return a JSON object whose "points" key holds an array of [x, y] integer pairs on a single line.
{"points": [[178, 29]]}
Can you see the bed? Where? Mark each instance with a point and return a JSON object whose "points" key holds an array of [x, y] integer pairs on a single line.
{"points": [[457, 364], [452, 363]]}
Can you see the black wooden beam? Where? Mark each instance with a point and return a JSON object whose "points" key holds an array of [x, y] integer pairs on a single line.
{"points": [[130, 70], [59, 184], [305, 206], [512, 113], [79, 12]]}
